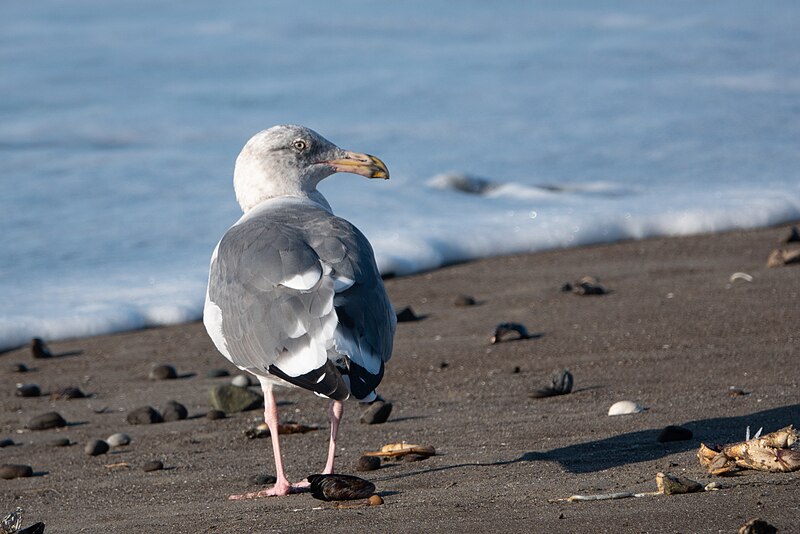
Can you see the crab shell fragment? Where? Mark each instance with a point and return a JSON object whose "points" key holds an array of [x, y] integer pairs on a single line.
{"points": [[393, 450], [766, 453]]}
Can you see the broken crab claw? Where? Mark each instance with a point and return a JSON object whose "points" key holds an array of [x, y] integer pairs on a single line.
{"points": [[769, 452]]}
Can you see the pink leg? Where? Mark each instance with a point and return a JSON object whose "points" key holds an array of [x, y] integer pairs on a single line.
{"points": [[336, 415], [282, 485]]}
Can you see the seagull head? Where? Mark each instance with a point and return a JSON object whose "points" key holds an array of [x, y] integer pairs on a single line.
{"points": [[289, 160]]}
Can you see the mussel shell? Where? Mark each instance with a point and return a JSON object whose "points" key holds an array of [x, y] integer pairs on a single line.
{"points": [[340, 487]]}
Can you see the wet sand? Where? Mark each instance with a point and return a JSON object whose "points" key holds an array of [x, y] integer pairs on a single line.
{"points": [[674, 334]]}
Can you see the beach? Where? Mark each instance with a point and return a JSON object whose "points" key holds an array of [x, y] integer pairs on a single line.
{"points": [[674, 333]]}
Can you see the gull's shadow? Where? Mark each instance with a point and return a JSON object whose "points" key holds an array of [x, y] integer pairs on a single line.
{"points": [[67, 353]]}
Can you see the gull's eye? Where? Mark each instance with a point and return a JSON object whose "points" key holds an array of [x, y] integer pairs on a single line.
{"points": [[300, 144]]}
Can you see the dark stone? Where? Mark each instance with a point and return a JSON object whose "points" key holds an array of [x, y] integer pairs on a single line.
{"points": [[464, 300], [368, 463], [232, 399], [174, 411], [144, 415], [674, 433], [377, 413], [39, 349], [587, 288], [59, 442], [28, 390], [96, 447], [262, 480], [46, 421], [340, 487], [215, 414], [406, 315], [217, 373], [516, 370], [561, 382], [70, 393], [794, 236], [6, 443], [567, 287], [757, 526], [154, 465], [19, 367], [503, 330], [10, 471], [163, 372]]}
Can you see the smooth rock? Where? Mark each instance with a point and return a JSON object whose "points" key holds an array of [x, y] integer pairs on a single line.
{"points": [[233, 399], [154, 465], [46, 421], [241, 381], [174, 411], [10, 471], [144, 415], [162, 372], [368, 463], [19, 367], [28, 390], [215, 414], [217, 373], [39, 349], [68, 393], [407, 315], [674, 433], [96, 447], [561, 382], [624, 408], [262, 480], [464, 300], [377, 413], [6, 442], [60, 442], [119, 439]]}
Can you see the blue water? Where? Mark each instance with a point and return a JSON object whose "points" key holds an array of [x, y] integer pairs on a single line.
{"points": [[120, 122]]}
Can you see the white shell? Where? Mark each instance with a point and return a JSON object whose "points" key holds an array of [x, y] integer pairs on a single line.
{"points": [[241, 381], [624, 407], [118, 440]]}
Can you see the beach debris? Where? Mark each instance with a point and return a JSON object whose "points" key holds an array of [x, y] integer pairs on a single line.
{"points": [[46, 421], [19, 367], [770, 452], [28, 390], [11, 523], [586, 285], [262, 479], [740, 276], [674, 433], [793, 237], [144, 415], [96, 447], [666, 484], [61, 441], [464, 301], [737, 392], [117, 465], [153, 465], [463, 183], [503, 330], [407, 315], [217, 373], [162, 372], [624, 407], [11, 471], [783, 256], [68, 393], [395, 450], [368, 463], [669, 484], [374, 500], [120, 439], [214, 414], [340, 487], [241, 381], [233, 399], [289, 427], [7, 442], [39, 349], [757, 526], [561, 382], [376, 413], [174, 411]]}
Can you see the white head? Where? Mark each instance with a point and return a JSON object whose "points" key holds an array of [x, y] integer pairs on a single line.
{"points": [[290, 160]]}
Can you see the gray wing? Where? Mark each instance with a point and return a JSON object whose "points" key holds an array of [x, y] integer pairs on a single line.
{"points": [[300, 297]]}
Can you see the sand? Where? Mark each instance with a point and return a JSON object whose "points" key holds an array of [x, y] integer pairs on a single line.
{"points": [[673, 334]]}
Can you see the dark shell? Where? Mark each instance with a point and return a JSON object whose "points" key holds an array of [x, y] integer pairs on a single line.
{"points": [[340, 487]]}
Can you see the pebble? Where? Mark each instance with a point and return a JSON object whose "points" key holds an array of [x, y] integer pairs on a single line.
{"points": [[19, 367], [262, 480], [793, 237], [10, 471], [162, 372], [144, 415], [39, 349], [407, 315], [59, 442], [561, 382], [464, 300], [757, 526], [217, 373], [96, 447], [174, 411], [28, 390], [377, 413], [736, 392], [46, 421], [624, 408], [340, 487], [68, 393], [368, 463], [674, 433], [215, 414], [154, 465], [119, 439], [233, 399], [6, 442], [502, 330], [241, 381], [375, 500]]}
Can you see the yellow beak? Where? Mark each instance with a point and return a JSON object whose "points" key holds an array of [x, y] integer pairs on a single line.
{"points": [[363, 164]]}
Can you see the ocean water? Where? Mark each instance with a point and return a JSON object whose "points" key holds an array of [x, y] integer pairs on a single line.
{"points": [[508, 127]]}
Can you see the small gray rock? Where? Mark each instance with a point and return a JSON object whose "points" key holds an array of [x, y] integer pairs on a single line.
{"points": [[262, 480], [464, 300], [215, 414], [60, 442], [10, 471], [19, 367], [144, 415], [217, 373], [46, 421], [96, 447], [241, 381], [174, 411], [233, 399], [154, 465], [368, 463], [377, 413], [163, 372], [119, 439], [28, 390]]}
